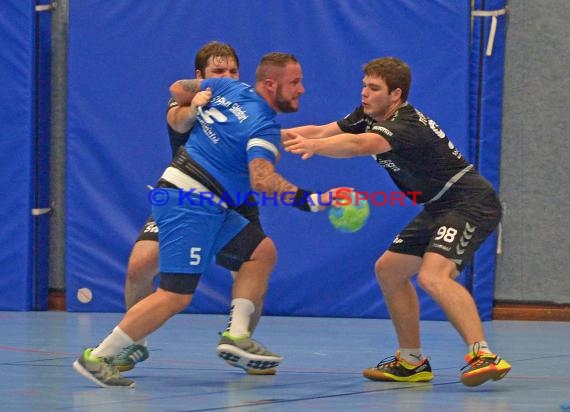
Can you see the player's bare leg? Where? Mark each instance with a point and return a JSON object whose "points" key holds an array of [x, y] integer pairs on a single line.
{"points": [[394, 271], [437, 278], [250, 285], [141, 271]]}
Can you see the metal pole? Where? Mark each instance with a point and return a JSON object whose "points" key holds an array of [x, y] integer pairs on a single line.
{"points": [[58, 147]]}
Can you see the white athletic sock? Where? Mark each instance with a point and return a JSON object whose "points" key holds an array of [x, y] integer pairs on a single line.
{"points": [[240, 314], [480, 346], [411, 355], [143, 342], [113, 343]]}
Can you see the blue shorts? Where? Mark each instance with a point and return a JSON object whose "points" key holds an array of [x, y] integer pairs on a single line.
{"points": [[192, 233]]}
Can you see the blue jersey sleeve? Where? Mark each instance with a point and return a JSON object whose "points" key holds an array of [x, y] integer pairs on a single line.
{"points": [[264, 145]]}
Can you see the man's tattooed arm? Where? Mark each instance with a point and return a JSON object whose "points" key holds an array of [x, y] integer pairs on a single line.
{"points": [[264, 178], [183, 91], [190, 85]]}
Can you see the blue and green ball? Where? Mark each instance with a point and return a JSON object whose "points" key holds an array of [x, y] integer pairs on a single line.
{"points": [[350, 217]]}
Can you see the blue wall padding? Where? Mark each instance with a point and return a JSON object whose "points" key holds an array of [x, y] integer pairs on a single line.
{"points": [[17, 96], [486, 118], [123, 57]]}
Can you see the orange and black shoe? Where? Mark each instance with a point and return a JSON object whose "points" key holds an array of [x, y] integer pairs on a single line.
{"points": [[394, 369], [482, 367]]}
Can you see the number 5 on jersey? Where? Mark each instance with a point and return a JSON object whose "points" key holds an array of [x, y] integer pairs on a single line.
{"points": [[195, 257]]}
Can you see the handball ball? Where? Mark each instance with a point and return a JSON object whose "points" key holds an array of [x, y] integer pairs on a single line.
{"points": [[352, 213]]}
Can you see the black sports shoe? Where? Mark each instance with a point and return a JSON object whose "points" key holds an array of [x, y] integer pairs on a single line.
{"points": [[395, 369]]}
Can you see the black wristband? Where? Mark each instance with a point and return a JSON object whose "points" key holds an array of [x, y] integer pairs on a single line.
{"points": [[301, 201]]}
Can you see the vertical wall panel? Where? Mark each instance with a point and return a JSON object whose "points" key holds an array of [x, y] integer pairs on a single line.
{"points": [[17, 90], [535, 149], [487, 68]]}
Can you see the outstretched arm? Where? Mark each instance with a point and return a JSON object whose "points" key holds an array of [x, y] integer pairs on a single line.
{"points": [[265, 179], [312, 131], [342, 145]]}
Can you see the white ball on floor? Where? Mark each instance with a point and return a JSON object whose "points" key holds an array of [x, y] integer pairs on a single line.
{"points": [[84, 295]]}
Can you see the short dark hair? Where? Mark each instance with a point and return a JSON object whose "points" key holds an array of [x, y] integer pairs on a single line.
{"points": [[395, 72], [274, 59], [213, 49]]}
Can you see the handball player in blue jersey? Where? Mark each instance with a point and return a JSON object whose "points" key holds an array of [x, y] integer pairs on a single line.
{"points": [[231, 151], [461, 209], [213, 60]]}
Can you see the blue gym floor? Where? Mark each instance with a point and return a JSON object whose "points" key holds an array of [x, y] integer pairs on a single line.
{"points": [[324, 358]]}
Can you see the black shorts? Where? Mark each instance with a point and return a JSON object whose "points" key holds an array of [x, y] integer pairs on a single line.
{"points": [[238, 250], [455, 231], [149, 231], [241, 247]]}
